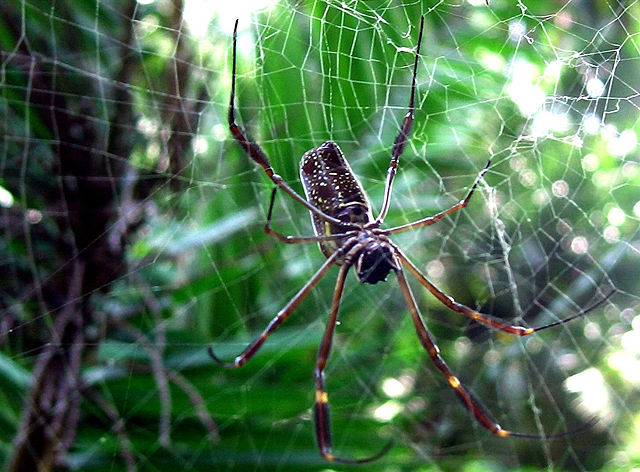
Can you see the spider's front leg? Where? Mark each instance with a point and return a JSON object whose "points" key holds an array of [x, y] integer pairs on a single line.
{"points": [[282, 315], [450, 303], [432, 349], [468, 399], [321, 405]]}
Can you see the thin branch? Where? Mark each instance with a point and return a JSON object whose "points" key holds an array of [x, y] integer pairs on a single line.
{"points": [[159, 374], [126, 449]]}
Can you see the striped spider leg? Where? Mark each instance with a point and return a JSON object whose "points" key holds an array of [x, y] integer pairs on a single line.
{"points": [[349, 236]]}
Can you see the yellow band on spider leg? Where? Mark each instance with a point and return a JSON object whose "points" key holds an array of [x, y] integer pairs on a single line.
{"points": [[321, 397]]}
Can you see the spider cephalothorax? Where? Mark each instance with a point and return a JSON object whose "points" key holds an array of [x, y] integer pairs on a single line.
{"points": [[375, 261], [348, 235]]}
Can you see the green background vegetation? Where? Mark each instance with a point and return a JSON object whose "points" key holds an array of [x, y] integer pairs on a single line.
{"points": [[135, 240]]}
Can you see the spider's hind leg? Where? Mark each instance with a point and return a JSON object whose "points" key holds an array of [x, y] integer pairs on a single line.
{"points": [[297, 239]]}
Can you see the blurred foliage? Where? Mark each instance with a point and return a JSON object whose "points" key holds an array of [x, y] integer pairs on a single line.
{"points": [[537, 243]]}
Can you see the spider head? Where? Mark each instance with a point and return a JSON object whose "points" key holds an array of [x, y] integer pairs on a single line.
{"points": [[374, 263]]}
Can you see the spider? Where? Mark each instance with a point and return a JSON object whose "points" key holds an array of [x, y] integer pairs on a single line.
{"points": [[349, 235]]}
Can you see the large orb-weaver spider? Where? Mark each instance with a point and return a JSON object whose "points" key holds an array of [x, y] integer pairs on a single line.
{"points": [[348, 235]]}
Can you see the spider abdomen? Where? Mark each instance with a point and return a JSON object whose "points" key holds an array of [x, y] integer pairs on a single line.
{"points": [[330, 185]]}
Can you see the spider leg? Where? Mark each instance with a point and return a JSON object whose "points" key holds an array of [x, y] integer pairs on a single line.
{"points": [[468, 399], [255, 151], [402, 137], [450, 303], [437, 217], [298, 239], [321, 405], [282, 315]]}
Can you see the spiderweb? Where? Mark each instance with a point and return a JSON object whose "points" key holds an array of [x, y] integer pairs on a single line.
{"points": [[132, 233]]}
